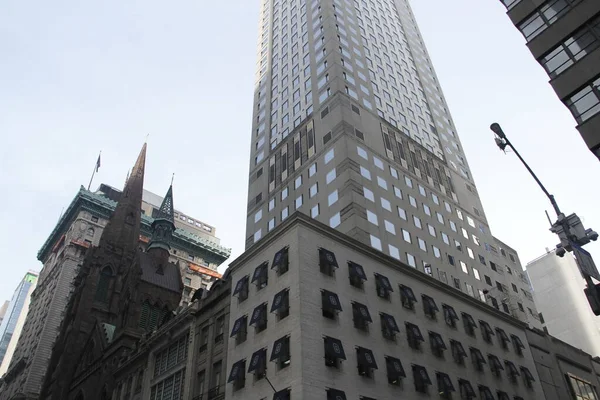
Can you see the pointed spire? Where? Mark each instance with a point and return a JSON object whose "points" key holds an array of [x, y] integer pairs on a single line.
{"points": [[123, 229], [164, 224]]}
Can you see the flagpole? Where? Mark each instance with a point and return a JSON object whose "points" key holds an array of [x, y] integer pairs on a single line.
{"points": [[96, 166]]}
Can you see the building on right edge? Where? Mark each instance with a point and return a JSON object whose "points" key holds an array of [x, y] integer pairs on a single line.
{"points": [[564, 37], [558, 292]]}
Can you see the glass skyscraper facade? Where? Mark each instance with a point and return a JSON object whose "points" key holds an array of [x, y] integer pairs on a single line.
{"points": [[17, 310], [350, 126]]}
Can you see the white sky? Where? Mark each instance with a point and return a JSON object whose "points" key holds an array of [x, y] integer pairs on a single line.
{"points": [[79, 77]]}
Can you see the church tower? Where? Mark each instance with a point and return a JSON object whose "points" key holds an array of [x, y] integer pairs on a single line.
{"points": [[121, 293]]}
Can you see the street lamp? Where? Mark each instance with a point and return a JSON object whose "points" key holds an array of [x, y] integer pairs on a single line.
{"points": [[570, 230]]}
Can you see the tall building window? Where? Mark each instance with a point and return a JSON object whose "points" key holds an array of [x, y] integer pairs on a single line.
{"points": [[103, 285]]}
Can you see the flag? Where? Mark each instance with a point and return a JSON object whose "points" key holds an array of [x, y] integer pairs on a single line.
{"points": [[98, 163]]}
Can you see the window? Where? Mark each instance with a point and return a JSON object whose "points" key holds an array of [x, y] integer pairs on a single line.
{"points": [[464, 267], [450, 315], [517, 344], [314, 189], [298, 182], [219, 329], [389, 327], [330, 176], [582, 390], [466, 390], [402, 213], [413, 336], [421, 378], [281, 352], [366, 362], [261, 275], [241, 289], [389, 227], [422, 244], [397, 192], [314, 212], [375, 242], [469, 324], [485, 393], [412, 201], [365, 172], [477, 359], [259, 318], [495, 365], [527, 377], [332, 198], [312, 170], [504, 340], [281, 261], [437, 344], [237, 375], [385, 204], [330, 304], [335, 220], [334, 352], [394, 369], [445, 385], [356, 274], [171, 387], [361, 316], [284, 194], [240, 329], [417, 222], [542, 18], [407, 297], [104, 281], [486, 331], [327, 262], [329, 156], [362, 152], [410, 259], [458, 352], [408, 181]]}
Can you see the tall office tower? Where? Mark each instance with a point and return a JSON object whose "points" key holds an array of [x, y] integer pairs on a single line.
{"points": [[558, 291], [3, 309], [351, 127], [564, 37], [12, 324], [193, 247]]}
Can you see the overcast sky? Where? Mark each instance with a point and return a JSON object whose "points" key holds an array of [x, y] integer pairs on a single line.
{"points": [[80, 77]]}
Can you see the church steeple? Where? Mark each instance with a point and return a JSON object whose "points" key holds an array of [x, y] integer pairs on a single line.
{"points": [[163, 225], [122, 232]]}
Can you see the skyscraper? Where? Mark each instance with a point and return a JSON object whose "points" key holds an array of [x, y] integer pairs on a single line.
{"points": [[13, 321], [558, 289], [351, 127], [564, 37]]}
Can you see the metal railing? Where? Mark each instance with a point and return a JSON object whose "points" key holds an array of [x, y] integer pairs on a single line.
{"points": [[215, 393]]}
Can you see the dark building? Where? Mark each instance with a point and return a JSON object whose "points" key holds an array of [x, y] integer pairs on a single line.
{"points": [[121, 294], [564, 37]]}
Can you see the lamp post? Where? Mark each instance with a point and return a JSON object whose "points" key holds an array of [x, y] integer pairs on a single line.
{"points": [[570, 230]]}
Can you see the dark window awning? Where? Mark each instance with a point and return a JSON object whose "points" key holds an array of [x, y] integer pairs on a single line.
{"points": [[420, 375], [503, 336], [280, 300], [445, 385], [512, 368], [260, 273], [327, 258], [237, 371], [331, 301], [414, 331], [468, 319], [486, 327], [495, 362], [476, 354], [361, 312], [383, 282], [334, 394], [527, 374], [466, 389], [486, 393], [239, 325], [502, 395], [366, 358], [429, 304], [356, 271], [394, 368], [390, 322], [408, 293], [334, 348], [259, 313], [241, 285], [449, 314], [457, 348], [517, 341], [437, 341], [258, 361], [281, 348], [282, 395], [280, 259]]}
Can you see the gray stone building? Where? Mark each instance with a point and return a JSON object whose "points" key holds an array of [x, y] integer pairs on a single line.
{"points": [[198, 254], [351, 128], [186, 357], [564, 37], [316, 314], [565, 372]]}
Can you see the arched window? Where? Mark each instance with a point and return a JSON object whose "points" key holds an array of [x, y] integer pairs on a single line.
{"points": [[103, 285]]}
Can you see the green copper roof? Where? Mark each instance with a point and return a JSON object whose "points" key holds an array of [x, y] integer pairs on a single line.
{"points": [[103, 206]]}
